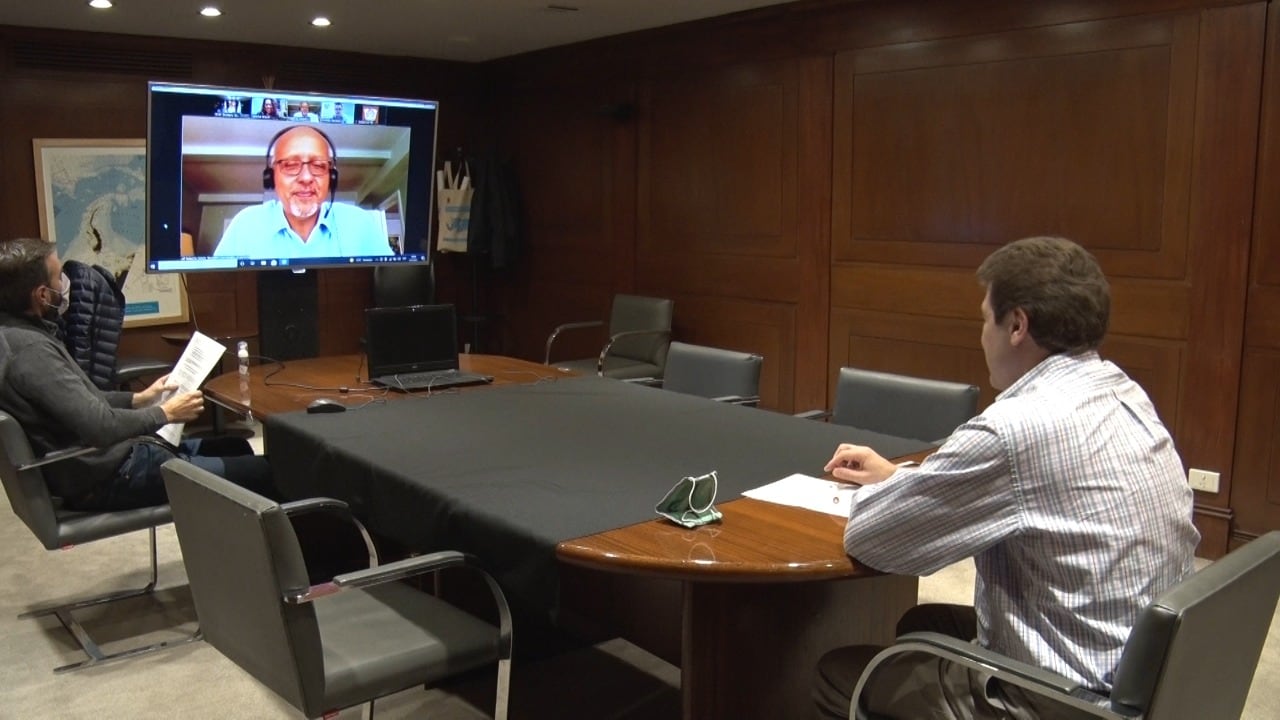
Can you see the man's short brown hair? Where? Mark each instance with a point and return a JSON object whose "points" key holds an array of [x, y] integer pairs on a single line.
{"points": [[1058, 284], [21, 271]]}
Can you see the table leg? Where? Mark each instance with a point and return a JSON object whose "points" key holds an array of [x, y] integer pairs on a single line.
{"points": [[750, 650]]}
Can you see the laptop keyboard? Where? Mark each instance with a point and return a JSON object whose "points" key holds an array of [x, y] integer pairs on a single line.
{"points": [[431, 380]]}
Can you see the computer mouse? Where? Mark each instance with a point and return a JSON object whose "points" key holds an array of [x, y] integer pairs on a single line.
{"points": [[325, 405]]}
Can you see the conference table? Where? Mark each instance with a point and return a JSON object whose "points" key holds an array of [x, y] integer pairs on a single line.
{"points": [[551, 479]]}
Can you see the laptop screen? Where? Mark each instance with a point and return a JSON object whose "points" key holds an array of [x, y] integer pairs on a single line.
{"points": [[411, 339]]}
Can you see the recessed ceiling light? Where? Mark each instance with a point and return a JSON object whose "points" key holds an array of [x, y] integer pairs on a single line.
{"points": [[321, 21], [210, 11], [100, 4]]}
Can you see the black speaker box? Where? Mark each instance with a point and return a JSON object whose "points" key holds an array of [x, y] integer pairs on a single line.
{"points": [[288, 327]]}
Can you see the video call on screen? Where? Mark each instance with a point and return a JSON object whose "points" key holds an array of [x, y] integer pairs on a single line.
{"points": [[349, 183]]}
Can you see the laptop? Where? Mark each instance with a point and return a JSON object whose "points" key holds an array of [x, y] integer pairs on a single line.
{"points": [[415, 348]]}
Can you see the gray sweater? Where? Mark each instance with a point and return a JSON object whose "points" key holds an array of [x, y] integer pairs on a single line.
{"points": [[59, 407]]}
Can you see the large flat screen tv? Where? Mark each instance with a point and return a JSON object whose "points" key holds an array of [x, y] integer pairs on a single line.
{"points": [[242, 179]]}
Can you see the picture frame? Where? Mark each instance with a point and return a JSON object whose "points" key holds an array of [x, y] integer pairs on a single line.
{"points": [[91, 197]]}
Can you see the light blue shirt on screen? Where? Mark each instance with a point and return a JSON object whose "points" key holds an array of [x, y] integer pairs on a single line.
{"points": [[261, 231]]}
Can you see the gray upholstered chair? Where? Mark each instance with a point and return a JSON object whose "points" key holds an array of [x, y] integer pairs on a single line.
{"points": [[901, 405], [328, 646], [57, 528], [639, 332], [724, 375], [1191, 654]]}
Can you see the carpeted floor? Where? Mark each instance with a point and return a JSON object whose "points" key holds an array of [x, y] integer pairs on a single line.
{"points": [[611, 680]]}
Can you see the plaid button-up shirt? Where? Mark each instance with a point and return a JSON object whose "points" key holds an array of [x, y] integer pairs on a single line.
{"points": [[1070, 496]]}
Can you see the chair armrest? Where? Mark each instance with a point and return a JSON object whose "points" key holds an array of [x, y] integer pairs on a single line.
{"points": [[399, 570], [306, 505], [410, 567], [604, 351], [337, 507], [402, 569], [58, 455], [421, 564], [749, 400], [814, 415], [1013, 672], [130, 369], [975, 655], [546, 359]]}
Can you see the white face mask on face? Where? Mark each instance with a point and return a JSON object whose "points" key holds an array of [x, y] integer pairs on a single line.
{"points": [[64, 298]]}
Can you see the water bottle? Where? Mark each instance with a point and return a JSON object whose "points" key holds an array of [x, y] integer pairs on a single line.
{"points": [[242, 356]]}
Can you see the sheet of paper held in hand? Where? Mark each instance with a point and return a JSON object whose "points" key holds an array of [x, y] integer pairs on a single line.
{"points": [[200, 357], [810, 493]]}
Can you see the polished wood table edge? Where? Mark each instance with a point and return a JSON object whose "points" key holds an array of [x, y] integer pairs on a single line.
{"points": [[326, 376], [755, 541]]}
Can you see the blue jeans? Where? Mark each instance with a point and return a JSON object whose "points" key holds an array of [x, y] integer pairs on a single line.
{"points": [[138, 482]]}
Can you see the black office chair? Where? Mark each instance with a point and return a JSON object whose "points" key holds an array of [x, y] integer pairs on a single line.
{"points": [[57, 528], [639, 333], [900, 405], [1191, 654], [403, 285], [723, 375], [340, 643], [92, 328]]}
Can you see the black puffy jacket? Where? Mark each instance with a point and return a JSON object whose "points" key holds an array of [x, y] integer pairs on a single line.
{"points": [[93, 322]]}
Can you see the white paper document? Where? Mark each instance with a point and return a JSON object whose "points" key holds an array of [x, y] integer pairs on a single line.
{"points": [[811, 493], [198, 359]]}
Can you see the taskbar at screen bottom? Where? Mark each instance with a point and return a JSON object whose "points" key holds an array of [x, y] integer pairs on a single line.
{"points": [[197, 264]]}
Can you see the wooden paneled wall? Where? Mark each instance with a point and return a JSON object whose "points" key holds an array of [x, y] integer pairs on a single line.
{"points": [[578, 191], [817, 183], [1255, 495], [701, 200], [87, 85]]}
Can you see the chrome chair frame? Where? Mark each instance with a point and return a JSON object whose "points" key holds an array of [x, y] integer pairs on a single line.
{"points": [[1221, 613], [268, 564], [61, 529]]}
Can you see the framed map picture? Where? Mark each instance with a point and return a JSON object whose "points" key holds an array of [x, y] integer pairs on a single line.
{"points": [[92, 196]]}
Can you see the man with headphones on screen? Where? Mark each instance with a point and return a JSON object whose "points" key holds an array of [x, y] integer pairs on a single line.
{"points": [[303, 221]]}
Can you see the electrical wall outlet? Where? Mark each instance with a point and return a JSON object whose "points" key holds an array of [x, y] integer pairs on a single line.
{"points": [[1204, 480]]}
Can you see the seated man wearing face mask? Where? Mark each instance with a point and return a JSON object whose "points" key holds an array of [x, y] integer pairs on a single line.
{"points": [[59, 407]]}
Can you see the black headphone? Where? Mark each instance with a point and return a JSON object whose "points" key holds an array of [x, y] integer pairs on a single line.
{"points": [[269, 173]]}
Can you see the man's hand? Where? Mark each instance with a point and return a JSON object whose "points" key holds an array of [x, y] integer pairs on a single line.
{"points": [[859, 464], [183, 407], [152, 393]]}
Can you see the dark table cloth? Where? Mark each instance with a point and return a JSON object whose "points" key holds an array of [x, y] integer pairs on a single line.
{"points": [[508, 472]]}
